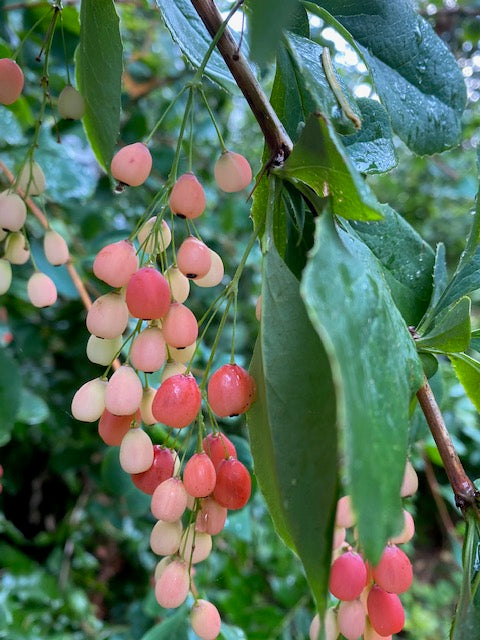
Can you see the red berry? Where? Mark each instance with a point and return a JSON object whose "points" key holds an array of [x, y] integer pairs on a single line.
{"points": [[231, 390], [187, 198], [385, 611], [132, 164], [234, 485], [199, 476], [148, 294], [211, 517], [394, 571], [161, 469], [11, 81], [177, 401], [348, 576], [218, 447], [112, 428], [179, 327]]}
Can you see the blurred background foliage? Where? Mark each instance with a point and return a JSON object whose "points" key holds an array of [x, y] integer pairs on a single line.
{"points": [[75, 562]]}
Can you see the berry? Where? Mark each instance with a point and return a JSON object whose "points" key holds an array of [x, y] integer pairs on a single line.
{"points": [[32, 179], [182, 355], [232, 172], [103, 350], [132, 164], [153, 237], [234, 485], [108, 316], [136, 451], [344, 516], [71, 103], [55, 248], [177, 401], [146, 406], [408, 531], [218, 447], [205, 620], [211, 517], [16, 250], [148, 350], [162, 468], [173, 585], [13, 211], [116, 263], [339, 534], [172, 368], [123, 392], [187, 198], [148, 294], [199, 476], [112, 428], [11, 81], [214, 275], [231, 390], [166, 537], [410, 481], [330, 626], [88, 403], [178, 283], [394, 571], [348, 576], [179, 327], [195, 546], [194, 258], [351, 619], [385, 611], [41, 290], [169, 500], [5, 275]]}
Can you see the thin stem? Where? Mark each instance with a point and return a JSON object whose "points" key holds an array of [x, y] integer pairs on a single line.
{"points": [[214, 121], [337, 90], [164, 115]]}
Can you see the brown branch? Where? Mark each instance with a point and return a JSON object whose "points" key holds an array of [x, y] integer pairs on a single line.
{"points": [[466, 495], [276, 138]]}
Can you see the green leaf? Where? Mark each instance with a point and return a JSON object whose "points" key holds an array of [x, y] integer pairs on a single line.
{"points": [[293, 435], [267, 20], [415, 75], [371, 148], [451, 331], [371, 352], [320, 162], [189, 32], [175, 626], [10, 390], [468, 372], [475, 341], [33, 409], [99, 75], [406, 259]]}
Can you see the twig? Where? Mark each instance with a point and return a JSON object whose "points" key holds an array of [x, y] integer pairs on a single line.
{"points": [[438, 498], [276, 138]]}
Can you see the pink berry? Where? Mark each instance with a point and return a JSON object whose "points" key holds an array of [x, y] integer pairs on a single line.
{"points": [[146, 406], [41, 290], [344, 516], [211, 517], [112, 428], [173, 585], [55, 248], [108, 316], [148, 294], [408, 531], [348, 576], [351, 619], [11, 81], [132, 164], [231, 390], [196, 545], [218, 447], [179, 327], [194, 258], [161, 469], [178, 401], [136, 451], [330, 626], [214, 275], [234, 485], [199, 476], [187, 198], [123, 393], [410, 481], [232, 172], [205, 620], [148, 350], [13, 211], [116, 263], [166, 537], [88, 403], [394, 571], [169, 500], [385, 611]]}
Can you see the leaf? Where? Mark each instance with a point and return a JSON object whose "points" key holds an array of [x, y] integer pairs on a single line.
{"points": [[99, 75], [451, 331], [292, 424], [371, 352], [371, 148], [319, 161], [267, 20], [10, 390], [475, 341], [191, 35], [175, 626], [33, 409], [406, 259], [468, 372], [415, 75], [440, 279]]}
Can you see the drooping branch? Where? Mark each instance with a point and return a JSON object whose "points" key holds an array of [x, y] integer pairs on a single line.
{"points": [[273, 131]]}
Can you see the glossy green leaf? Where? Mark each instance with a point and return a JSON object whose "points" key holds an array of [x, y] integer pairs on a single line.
{"points": [[440, 279], [267, 20], [175, 626], [468, 372], [293, 435], [10, 392], [415, 75], [99, 75], [371, 352], [406, 259], [451, 331], [319, 162], [475, 341], [189, 32]]}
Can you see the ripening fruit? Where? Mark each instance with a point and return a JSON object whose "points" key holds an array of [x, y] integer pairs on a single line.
{"points": [[172, 368], [169, 500], [55, 248], [410, 481], [5, 275], [11, 81], [13, 211], [116, 263], [330, 626], [199, 476], [385, 611], [108, 316], [371, 634], [234, 485], [112, 429], [231, 390], [211, 517], [408, 531], [32, 179], [165, 537], [193, 258], [173, 585], [218, 447], [232, 172], [205, 620], [215, 274], [71, 103], [146, 406], [154, 237], [161, 566], [183, 355], [179, 327], [339, 535], [178, 283], [344, 516], [123, 393], [132, 164], [103, 350], [136, 451], [351, 619], [348, 576], [177, 401], [162, 468], [195, 546], [41, 290], [187, 198], [148, 294], [394, 571], [88, 403], [148, 351], [16, 251]]}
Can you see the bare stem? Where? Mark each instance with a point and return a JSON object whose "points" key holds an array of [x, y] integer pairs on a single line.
{"points": [[273, 131]]}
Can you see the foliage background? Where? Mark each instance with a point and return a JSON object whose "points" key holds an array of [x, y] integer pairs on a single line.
{"points": [[74, 555]]}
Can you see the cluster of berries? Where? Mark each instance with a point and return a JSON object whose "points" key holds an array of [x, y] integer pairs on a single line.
{"points": [[151, 279], [369, 606]]}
